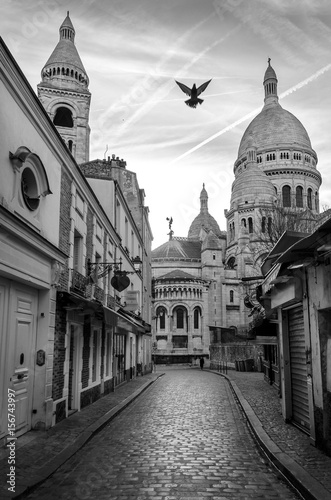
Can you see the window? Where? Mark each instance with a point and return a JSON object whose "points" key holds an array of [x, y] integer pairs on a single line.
{"points": [[231, 296], [180, 318], [196, 318], [63, 118], [250, 224], [95, 357], [309, 198], [160, 316], [78, 252], [33, 186], [108, 353], [98, 232], [231, 263], [299, 196], [80, 205], [316, 201], [263, 224], [286, 196], [29, 187], [269, 225]]}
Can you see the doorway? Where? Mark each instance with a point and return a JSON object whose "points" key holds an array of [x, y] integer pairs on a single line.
{"points": [[18, 330]]}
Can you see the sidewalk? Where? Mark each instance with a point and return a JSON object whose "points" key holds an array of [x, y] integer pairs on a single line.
{"points": [[307, 468], [39, 454]]}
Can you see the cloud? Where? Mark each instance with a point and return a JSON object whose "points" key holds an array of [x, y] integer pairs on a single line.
{"points": [[253, 113]]}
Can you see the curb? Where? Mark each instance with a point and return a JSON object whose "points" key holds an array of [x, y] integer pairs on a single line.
{"points": [[83, 438], [299, 478]]}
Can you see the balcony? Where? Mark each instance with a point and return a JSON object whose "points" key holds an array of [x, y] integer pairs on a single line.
{"points": [[78, 283], [111, 302], [98, 293]]}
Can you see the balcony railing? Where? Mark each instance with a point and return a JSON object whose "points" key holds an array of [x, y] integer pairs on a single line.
{"points": [[78, 283], [111, 302], [98, 293]]}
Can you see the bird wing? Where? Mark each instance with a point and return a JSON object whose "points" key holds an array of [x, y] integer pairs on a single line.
{"points": [[184, 88], [203, 87]]}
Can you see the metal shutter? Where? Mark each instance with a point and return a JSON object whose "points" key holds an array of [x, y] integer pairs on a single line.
{"points": [[299, 387]]}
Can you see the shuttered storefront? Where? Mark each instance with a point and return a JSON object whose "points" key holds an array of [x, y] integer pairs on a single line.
{"points": [[300, 405]]}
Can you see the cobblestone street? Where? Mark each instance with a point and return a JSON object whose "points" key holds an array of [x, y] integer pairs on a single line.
{"points": [[184, 438]]}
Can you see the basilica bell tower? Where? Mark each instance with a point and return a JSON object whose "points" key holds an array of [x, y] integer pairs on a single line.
{"points": [[64, 93]]}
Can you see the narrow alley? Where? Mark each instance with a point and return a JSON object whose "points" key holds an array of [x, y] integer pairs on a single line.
{"points": [[183, 438]]}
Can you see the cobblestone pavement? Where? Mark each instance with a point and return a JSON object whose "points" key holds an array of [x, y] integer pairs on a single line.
{"points": [[266, 404], [39, 453], [184, 438]]}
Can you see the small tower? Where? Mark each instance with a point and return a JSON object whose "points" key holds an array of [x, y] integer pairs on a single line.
{"points": [[64, 93], [270, 85]]}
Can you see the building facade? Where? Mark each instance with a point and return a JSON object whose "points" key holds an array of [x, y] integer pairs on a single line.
{"points": [[75, 257], [276, 185], [296, 289]]}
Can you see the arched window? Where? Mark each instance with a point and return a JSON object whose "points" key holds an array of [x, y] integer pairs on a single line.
{"points": [[263, 224], [299, 196], [269, 225], [180, 317], [231, 296], [70, 143], [63, 117], [286, 191], [316, 201], [231, 263], [243, 222], [196, 318], [309, 198], [250, 224], [161, 315]]}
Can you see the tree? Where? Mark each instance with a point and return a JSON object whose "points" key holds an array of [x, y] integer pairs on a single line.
{"points": [[273, 221]]}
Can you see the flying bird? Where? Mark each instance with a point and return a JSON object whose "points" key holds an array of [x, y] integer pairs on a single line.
{"points": [[193, 93]]}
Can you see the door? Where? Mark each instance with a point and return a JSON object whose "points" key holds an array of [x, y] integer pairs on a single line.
{"points": [[23, 303], [299, 385], [73, 389]]}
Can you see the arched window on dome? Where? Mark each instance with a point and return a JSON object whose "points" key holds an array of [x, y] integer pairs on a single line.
{"points": [[263, 224], [309, 198], [231, 296], [243, 222], [286, 194], [250, 224], [269, 225], [299, 196], [63, 117], [316, 201]]}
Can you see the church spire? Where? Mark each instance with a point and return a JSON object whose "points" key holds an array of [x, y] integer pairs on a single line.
{"points": [[64, 93], [67, 31], [203, 200], [270, 85]]}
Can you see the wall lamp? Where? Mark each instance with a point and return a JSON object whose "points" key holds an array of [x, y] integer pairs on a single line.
{"points": [[120, 280]]}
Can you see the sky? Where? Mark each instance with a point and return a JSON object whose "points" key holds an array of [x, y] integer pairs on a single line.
{"points": [[134, 50]]}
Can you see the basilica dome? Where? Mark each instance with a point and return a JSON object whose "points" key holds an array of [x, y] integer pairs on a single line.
{"points": [[275, 127], [204, 220]]}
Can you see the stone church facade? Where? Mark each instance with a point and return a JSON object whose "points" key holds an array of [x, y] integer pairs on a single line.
{"points": [[276, 177]]}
